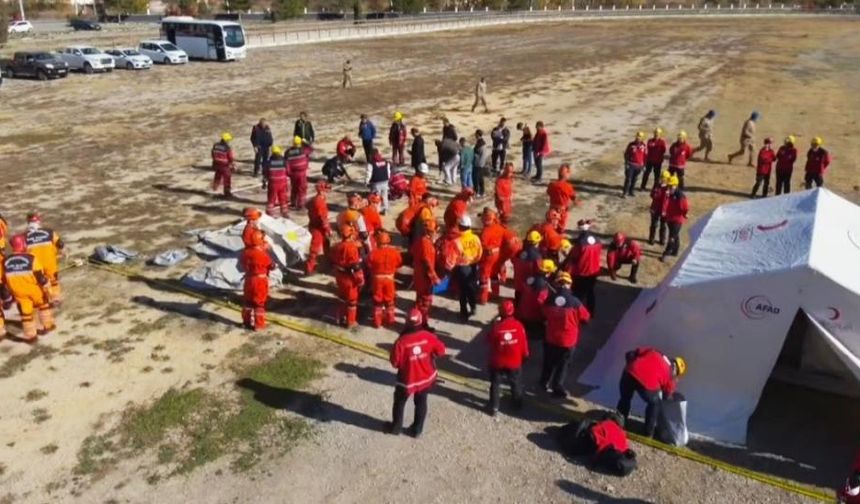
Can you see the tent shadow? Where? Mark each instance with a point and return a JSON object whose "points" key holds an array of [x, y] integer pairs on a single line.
{"points": [[193, 310], [201, 193]]}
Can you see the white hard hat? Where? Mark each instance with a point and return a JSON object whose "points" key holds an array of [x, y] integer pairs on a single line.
{"points": [[423, 168], [465, 221]]}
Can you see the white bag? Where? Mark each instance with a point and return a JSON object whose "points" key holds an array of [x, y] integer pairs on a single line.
{"points": [[672, 422]]}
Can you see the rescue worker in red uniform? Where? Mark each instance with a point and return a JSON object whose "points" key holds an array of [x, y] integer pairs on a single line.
{"points": [[526, 262], [656, 146], [603, 441], [659, 199], [561, 195], [397, 135], [223, 164], [298, 160], [414, 356], [418, 184], [785, 158], [817, 162], [635, 157], [256, 263], [384, 262], [345, 150], [345, 256], [766, 157], [583, 264], [458, 208], [850, 492], [652, 375], [679, 153], [492, 237], [623, 251], [564, 314], [509, 347], [276, 183], [24, 278], [252, 224], [531, 297], [504, 193], [423, 251], [677, 208], [46, 246], [550, 237], [318, 226]]}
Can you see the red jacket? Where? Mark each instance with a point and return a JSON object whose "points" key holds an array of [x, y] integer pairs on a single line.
{"points": [[414, 357], [659, 198], [766, 157], [222, 155], [298, 160], [636, 153], [525, 265], [608, 434], [785, 158], [531, 298], [652, 370], [628, 252], [817, 161], [345, 149], [656, 150], [508, 344], [678, 155], [540, 143], [564, 313], [584, 259], [677, 207]]}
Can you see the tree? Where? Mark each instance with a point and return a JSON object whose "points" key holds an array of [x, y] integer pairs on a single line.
{"points": [[288, 9], [356, 9], [408, 6], [237, 5], [125, 6]]}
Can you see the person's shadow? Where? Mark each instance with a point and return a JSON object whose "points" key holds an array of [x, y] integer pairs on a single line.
{"points": [[312, 406], [588, 494]]}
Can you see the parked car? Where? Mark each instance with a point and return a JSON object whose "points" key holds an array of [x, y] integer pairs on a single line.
{"points": [[84, 24], [41, 65], [163, 51], [87, 58], [129, 58], [20, 27]]}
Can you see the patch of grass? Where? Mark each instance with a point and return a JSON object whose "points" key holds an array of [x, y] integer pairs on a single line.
{"points": [[17, 363], [49, 449], [147, 426], [210, 336], [35, 395], [116, 348], [95, 456], [41, 415], [144, 328], [166, 453]]}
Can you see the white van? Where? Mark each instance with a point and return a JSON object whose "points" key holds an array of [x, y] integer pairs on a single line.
{"points": [[163, 51]]}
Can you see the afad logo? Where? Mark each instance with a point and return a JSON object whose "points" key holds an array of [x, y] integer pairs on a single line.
{"points": [[758, 307]]}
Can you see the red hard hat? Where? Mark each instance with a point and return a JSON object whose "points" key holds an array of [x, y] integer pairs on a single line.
{"points": [[34, 217], [506, 308], [619, 238], [18, 243], [414, 318], [251, 213], [467, 192]]}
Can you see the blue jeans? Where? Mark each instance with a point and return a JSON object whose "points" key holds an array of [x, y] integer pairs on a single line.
{"points": [[528, 159], [466, 176]]}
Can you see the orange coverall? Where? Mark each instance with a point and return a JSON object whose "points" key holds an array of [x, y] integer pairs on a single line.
{"points": [[256, 263], [384, 262], [551, 243], [417, 189], [561, 194], [24, 277], [346, 258], [511, 246], [372, 221], [45, 245], [504, 193], [251, 227], [320, 230], [492, 237], [424, 269]]}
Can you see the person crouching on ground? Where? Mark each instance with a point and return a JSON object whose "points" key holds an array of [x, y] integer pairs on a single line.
{"points": [[652, 375], [508, 348]]}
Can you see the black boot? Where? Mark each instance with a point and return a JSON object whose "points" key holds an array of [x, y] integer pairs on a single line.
{"points": [[633, 271]]}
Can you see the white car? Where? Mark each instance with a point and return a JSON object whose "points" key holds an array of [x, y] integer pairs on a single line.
{"points": [[87, 58], [162, 51], [129, 58], [20, 27]]}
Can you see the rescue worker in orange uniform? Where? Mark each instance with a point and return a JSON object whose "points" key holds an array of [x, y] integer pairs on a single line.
{"points": [[298, 161], [372, 218], [511, 247], [256, 264], [46, 246], [423, 251], [252, 224], [276, 183], [418, 184], [4, 231], [465, 267], [384, 262], [349, 276], [458, 208], [352, 216], [526, 262], [623, 250], [223, 162], [25, 279], [505, 192], [561, 196], [492, 237], [318, 226], [550, 237]]}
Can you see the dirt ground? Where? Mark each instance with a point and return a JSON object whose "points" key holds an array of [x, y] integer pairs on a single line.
{"points": [[122, 159]]}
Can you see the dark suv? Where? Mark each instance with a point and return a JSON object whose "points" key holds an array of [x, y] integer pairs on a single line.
{"points": [[84, 24]]}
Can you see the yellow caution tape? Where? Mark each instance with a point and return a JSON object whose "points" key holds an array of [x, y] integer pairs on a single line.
{"points": [[318, 332]]}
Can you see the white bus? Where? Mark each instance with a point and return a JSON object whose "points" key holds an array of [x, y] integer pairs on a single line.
{"points": [[204, 39]]}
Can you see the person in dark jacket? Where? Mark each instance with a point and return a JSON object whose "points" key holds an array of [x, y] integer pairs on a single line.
{"points": [[304, 129], [367, 132], [261, 141], [478, 168], [416, 152], [527, 142], [501, 137], [448, 130]]}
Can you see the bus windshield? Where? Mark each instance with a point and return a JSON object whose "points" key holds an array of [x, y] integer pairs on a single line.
{"points": [[233, 36]]}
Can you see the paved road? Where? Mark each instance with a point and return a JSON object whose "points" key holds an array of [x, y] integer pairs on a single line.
{"points": [[49, 26]]}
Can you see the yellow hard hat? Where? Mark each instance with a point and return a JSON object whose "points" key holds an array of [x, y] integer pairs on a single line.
{"points": [[658, 131], [817, 140], [297, 141], [226, 137], [665, 177], [791, 139], [640, 135], [566, 245], [277, 150], [398, 116], [564, 277], [680, 366], [673, 181], [533, 237], [547, 266], [682, 135]]}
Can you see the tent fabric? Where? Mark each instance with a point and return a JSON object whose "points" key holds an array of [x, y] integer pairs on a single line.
{"points": [[729, 302], [224, 274], [113, 254]]}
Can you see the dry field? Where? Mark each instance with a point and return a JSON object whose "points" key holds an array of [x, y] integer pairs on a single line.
{"points": [[121, 159]]}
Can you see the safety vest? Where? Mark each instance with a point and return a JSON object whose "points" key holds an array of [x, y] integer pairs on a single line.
{"points": [[470, 248], [379, 172], [277, 168]]}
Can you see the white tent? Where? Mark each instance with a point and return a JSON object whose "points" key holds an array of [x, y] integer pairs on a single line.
{"points": [[729, 302]]}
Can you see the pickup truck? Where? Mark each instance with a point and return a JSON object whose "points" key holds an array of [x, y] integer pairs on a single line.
{"points": [[87, 58], [42, 65]]}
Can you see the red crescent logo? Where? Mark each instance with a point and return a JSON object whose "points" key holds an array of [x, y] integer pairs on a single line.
{"points": [[835, 313], [772, 226]]}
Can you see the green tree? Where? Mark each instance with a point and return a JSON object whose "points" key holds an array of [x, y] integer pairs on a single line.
{"points": [[408, 6], [288, 9], [125, 6], [356, 9]]}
